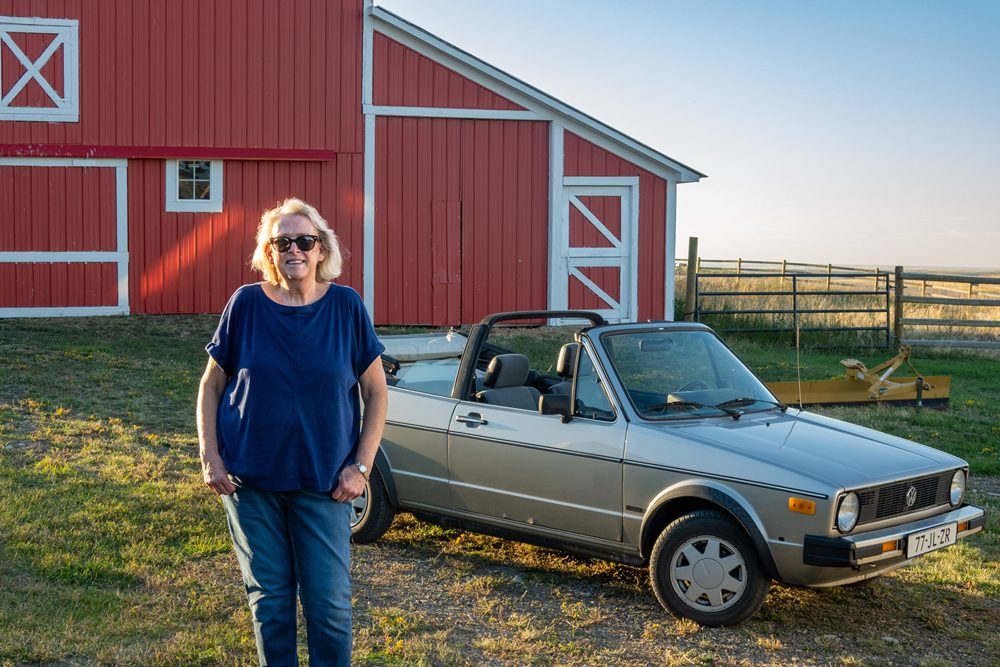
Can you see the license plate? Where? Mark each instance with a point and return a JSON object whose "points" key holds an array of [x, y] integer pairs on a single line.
{"points": [[929, 540]]}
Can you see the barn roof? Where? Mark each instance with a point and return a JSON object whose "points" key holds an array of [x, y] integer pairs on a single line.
{"points": [[544, 106]]}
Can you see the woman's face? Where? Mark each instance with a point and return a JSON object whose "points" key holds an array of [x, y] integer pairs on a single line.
{"points": [[295, 264]]}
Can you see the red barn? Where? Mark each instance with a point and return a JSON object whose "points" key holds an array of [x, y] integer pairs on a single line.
{"points": [[140, 141]]}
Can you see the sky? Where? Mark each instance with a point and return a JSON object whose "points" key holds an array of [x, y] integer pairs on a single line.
{"points": [[848, 132]]}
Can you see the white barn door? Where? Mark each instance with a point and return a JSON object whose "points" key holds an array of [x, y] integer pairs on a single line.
{"points": [[598, 238]]}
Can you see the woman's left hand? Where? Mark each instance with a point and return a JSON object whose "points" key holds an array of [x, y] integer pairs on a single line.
{"points": [[350, 486]]}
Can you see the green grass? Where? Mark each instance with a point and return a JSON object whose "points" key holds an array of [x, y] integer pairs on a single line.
{"points": [[112, 552], [970, 428]]}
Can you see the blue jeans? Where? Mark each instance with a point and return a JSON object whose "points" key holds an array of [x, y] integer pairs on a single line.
{"points": [[288, 543]]}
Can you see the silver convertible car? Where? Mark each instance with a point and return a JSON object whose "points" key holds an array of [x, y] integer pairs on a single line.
{"points": [[650, 444]]}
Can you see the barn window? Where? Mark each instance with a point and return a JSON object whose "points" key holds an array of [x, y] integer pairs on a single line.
{"points": [[41, 76], [194, 186]]}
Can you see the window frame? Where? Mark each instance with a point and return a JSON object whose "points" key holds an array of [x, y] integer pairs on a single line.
{"points": [[66, 36], [174, 204]]}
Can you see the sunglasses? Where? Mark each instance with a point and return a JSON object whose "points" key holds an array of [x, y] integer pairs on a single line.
{"points": [[284, 243]]}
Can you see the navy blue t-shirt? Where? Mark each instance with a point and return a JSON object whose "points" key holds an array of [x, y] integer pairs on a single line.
{"points": [[290, 415]]}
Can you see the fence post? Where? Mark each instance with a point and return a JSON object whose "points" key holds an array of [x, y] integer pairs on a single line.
{"points": [[876, 278], [690, 293], [897, 311], [829, 271], [795, 310], [739, 267]]}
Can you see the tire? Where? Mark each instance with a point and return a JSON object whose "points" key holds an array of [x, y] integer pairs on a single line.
{"points": [[373, 513], [703, 567]]}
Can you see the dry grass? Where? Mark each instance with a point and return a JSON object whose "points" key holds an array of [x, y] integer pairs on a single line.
{"points": [[749, 293]]}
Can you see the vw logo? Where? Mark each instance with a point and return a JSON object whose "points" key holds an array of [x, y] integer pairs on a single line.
{"points": [[911, 496]]}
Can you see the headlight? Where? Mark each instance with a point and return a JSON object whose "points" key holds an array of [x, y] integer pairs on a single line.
{"points": [[957, 487], [847, 512]]}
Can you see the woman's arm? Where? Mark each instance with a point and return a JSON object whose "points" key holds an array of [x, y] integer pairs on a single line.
{"points": [[375, 396], [214, 473]]}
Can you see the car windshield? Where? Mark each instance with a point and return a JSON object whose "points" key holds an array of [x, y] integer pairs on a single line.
{"points": [[671, 374]]}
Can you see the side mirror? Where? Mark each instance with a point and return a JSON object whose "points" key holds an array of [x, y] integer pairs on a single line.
{"points": [[556, 404]]}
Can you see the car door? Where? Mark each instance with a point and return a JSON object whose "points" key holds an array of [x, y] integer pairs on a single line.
{"points": [[527, 468], [415, 442]]}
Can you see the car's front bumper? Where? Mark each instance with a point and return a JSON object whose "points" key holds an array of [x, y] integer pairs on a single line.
{"points": [[887, 544]]}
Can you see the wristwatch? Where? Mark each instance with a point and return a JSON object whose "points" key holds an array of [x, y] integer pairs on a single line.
{"points": [[363, 468]]}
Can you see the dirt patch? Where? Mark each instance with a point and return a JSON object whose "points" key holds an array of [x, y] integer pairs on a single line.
{"points": [[432, 600]]}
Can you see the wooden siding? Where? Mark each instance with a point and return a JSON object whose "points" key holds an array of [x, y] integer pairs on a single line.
{"points": [[461, 215], [583, 158], [226, 73], [192, 262], [403, 77], [53, 209]]}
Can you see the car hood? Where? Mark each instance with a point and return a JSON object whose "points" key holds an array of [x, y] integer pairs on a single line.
{"points": [[779, 447]]}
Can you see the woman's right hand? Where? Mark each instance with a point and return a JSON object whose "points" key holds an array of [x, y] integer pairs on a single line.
{"points": [[213, 470], [215, 475]]}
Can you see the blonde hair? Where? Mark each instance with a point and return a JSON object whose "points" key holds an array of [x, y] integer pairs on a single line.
{"points": [[328, 269]]}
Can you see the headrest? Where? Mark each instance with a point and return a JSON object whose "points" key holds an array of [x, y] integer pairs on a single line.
{"points": [[567, 359], [506, 370]]}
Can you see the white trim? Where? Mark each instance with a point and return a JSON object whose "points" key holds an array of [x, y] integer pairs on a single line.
{"points": [[529, 97], [72, 257], [623, 255], [448, 112], [670, 263], [367, 57], [558, 227], [66, 31], [69, 311], [119, 256], [26, 23], [173, 204], [121, 236], [603, 181], [613, 304], [633, 314], [369, 218], [594, 252], [62, 162], [368, 207]]}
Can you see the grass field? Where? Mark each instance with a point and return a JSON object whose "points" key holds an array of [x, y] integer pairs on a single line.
{"points": [[113, 553]]}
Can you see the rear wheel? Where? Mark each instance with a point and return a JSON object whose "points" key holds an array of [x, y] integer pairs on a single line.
{"points": [[704, 568], [373, 513]]}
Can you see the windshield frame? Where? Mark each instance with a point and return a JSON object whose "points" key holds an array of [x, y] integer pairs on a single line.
{"points": [[766, 401]]}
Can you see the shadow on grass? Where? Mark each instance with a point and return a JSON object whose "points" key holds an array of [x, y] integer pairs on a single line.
{"points": [[953, 593]]}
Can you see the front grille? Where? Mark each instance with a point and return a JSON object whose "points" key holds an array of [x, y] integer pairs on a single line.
{"points": [[884, 502]]}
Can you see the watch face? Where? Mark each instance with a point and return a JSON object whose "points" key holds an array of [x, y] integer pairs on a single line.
{"points": [[362, 467]]}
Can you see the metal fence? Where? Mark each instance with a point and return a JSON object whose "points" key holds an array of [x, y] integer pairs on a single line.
{"points": [[787, 309], [947, 310]]}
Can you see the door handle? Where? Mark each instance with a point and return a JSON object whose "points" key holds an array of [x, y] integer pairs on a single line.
{"points": [[472, 420]]}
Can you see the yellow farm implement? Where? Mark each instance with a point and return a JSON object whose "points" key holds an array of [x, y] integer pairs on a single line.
{"points": [[861, 384]]}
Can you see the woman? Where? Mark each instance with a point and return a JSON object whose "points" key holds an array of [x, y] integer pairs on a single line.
{"points": [[281, 440]]}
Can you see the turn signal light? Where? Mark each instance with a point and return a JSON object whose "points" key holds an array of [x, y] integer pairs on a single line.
{"points": [[890, 546], [962, 527], [802, 506]]}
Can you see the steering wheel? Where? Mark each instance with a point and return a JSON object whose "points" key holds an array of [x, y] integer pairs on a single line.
{"points": [[693, 385]]}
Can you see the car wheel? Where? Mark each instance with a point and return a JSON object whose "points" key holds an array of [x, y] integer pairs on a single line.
{"points": [[704, 568], [372, 513]]}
